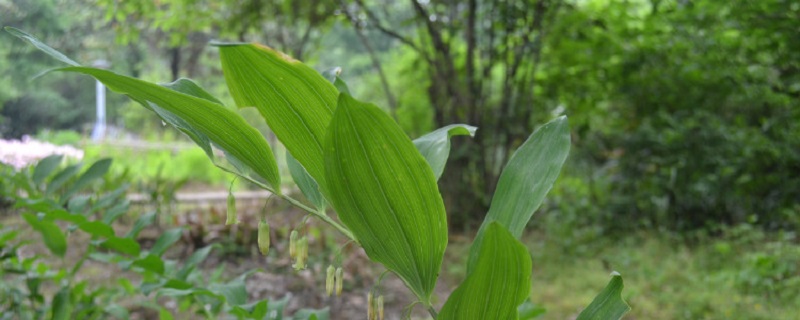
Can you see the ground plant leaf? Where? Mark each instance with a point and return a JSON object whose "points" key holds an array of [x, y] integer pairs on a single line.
{"points": [[52, 235], [499, 282], [435, 146], [45, 167], [294, 99], [386, 193], [608, 305]]}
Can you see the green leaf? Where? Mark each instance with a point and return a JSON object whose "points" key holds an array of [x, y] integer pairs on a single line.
{"points": [[225, 128], [62, 176], [256, 310], [499, 283], [308, 314], [191, 111], [386, 193], [526, 180], [296, 101], [116, 211], [54, 239], [305, 182], [62, 306], [164, 314], [193, 260], [63, 215], [234, 291], [332, 75], [45, 167], [40, 45], [117, 311], [608, 305], [123, 245], [166, 240], [435, 146], [151, 263], [78, 203], [140, 224], [95, 171], [528, 311], [97, 228]]}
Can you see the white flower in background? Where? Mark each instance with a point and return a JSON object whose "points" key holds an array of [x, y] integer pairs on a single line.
{"points": [[22, 153]]}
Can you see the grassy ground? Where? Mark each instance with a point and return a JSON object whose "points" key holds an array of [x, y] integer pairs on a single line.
{"points": [[742, 274]]}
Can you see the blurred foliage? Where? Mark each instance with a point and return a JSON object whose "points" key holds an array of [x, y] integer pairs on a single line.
{"points": [[142, 282], [685, 114], [30, 104], [690, 108]]}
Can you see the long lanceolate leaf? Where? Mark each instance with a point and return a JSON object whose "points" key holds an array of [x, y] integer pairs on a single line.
{"points": [[202, 118], [294, 99], [500, 281], [228, 130], [386, 193], [608, 305], [526, 180]]}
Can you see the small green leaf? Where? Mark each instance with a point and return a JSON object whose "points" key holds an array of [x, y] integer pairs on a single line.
{"points": [[143, 221], [78, 203], [386, 193], [193, 260], [332, 75], [97, 228], [123, 245], [150, 263], [234, 291], [62, 306], [608, 305], [309, 314], [117, 311], [164, 314], [528, 311], [499, 282], [296, 101], [95, 171], [435, 146], [116, 211], [45, 167], [62, 176], [166, 240], [526, 180], [63, 215], [305, 182], [256, 310], [54, 239]]}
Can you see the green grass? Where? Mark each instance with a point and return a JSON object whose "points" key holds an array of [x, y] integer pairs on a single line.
{"points": [[742, 274]]}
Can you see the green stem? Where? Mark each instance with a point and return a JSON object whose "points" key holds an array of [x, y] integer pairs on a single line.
{"points": [[80, 262], [321, 215], [432, 311]]}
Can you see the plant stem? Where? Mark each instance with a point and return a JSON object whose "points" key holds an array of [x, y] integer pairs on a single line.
{"points": [[80, 262], [432, 311], [321, 215]]}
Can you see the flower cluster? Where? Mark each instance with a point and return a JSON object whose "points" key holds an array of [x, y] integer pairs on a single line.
{"points": [[22, 153]]}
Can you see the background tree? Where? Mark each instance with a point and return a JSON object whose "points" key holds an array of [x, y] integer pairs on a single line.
{"points": [[481, 58]]}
